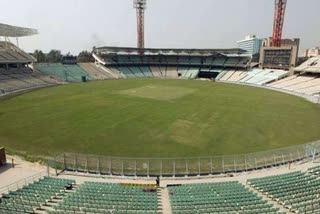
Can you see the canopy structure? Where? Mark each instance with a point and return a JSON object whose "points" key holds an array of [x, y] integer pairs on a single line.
{"points": [[14, 31], [168, 51]]}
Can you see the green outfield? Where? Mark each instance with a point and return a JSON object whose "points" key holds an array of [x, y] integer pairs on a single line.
{"points": [[155, 118]]}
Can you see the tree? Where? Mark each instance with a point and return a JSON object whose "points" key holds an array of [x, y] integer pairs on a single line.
{"points": [[40, 56], [54, 56], [85, 56]]}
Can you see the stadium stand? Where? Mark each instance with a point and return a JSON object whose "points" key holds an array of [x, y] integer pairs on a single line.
{"points": [[223, 197], [221, 74], [314, 170], [227, 75], [9, 53], [146, 71], [126, 71], [305, 84], [156, 71], [97, 72], [312, 65], [255, 76], [93, 197], [232, 61], [33, 196], [237, 76], [68, 73], [18, 79], [297, 191], [183, 71], [15, 73], [136, 71], [219, 61], [171, 72]]}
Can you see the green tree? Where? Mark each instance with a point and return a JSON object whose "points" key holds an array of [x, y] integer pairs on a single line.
{"points": [[85, 56], [54, 56], [40, 56]]}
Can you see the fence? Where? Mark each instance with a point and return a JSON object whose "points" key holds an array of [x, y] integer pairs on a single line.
{"points": [[19, 184], [184, 166]]}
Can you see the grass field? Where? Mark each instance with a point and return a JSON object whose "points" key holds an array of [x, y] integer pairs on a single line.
{"points": [[155, 118]]}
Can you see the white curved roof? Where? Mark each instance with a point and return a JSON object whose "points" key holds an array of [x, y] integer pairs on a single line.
{"points": [[312, 65], [14, 31]]}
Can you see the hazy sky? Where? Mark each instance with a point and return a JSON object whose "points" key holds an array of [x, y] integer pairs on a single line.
{"points": [[75, 25]]}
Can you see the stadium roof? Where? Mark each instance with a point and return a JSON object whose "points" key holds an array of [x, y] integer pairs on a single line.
{"points": [[14, 31], [127, 50], [312, 65]]}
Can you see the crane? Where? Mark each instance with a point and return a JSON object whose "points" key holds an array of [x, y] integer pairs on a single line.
{"points": [[280, 9]]}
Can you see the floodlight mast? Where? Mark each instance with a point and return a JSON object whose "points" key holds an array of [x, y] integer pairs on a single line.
{"points": [[280, 9], [140, 6]]}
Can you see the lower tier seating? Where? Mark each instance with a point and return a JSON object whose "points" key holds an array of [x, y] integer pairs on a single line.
{"points": [[314, 170], [33, 196], [67, 73], [224, 197], [23, 78], [97, 72], [297, 191], [301, 84], [92, 197]]}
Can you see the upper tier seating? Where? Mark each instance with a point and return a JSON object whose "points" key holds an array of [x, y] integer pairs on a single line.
{"points": [[34, 196], [68, 73], [16, 79], [92, 197], [224, 197], [296, 191], [172, 60], [219, 61], [232, 61], [9, 53]]}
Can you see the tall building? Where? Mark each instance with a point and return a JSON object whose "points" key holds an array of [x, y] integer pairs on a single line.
{"points": [[251, 44], [312, 52]]}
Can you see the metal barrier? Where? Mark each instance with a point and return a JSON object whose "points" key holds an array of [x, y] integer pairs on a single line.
{"points": [[177, 167], [19, 184]]}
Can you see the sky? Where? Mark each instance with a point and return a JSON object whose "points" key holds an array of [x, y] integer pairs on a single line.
{"points": [[76, 25]]}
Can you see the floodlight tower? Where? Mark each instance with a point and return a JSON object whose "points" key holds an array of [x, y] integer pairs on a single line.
{"points": [[280, 9], [140, 6]]}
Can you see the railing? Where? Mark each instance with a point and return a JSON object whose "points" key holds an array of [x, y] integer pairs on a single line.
{"points": [[19, 184], [198, 166]]}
